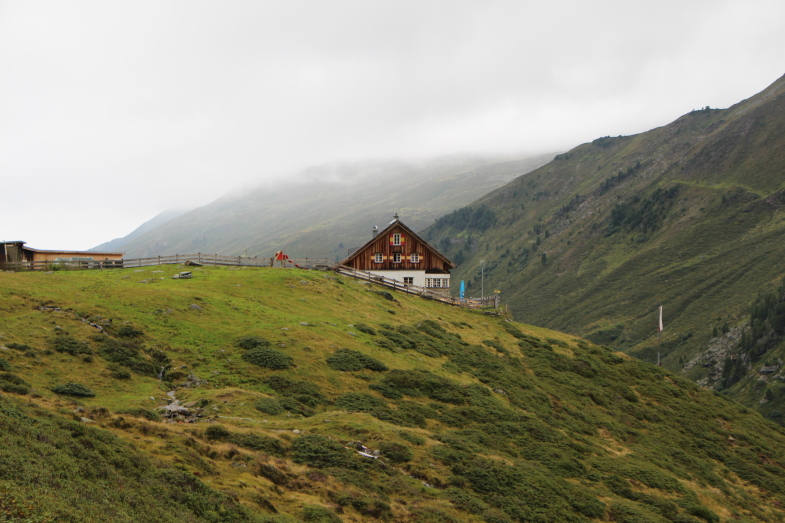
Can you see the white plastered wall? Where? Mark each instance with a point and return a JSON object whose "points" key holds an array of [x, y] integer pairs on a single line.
{"points": [[419, 276]]}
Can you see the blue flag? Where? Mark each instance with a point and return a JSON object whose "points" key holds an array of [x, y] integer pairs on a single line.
{"points": [[463, 289]]}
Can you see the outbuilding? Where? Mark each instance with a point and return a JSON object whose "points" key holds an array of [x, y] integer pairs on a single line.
{"points": [[18, 252]]}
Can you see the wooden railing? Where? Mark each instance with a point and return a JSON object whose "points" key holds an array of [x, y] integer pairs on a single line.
{"points": [[425, 292], [219, 260], [200, 258]]}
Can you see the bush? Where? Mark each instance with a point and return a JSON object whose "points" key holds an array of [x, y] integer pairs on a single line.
{"points": [[496, 345], [269, 406], [319, 451], [19, 346], [269, 358], [365, 328], [216, 432], [13, 384], [4, 365], [272, 473], [395, 452], [252, 342], [351, 360], [128, 331], [127, 354], [287, 387], [72, 346], [412, 438], [314, 514], [73, 389], [357, 402], [258, 443], [149, 415], [296, 407], [120, 374]]}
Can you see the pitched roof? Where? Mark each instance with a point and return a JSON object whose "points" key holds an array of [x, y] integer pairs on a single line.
{"points": [[392, 225]]}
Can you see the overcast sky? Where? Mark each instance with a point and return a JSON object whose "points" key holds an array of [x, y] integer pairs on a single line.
{"points": [[111, 112]]}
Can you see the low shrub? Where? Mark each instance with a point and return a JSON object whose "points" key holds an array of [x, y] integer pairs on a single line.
{"points": [[419, 383], [365, 328], [149, 415], [217, 433], [358, 402], [258, 443], [129, 331], [269, 406], [273, 474], [395, 452], [13, 384], [252, 342], [319, 451], [496, 345], [351, 360], [294, 388], [4, 365], [127, 354], [268, 358], [315, 514], [19, 346], [70, 345], [431, 515], [295, 407], [120, 374], [512, 329], [412, 438], [73, 389], [366, 506]]}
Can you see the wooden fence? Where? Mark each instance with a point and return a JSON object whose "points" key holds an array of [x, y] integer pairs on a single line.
{"points": [[470, 303], [235, 261], [199, 258]]}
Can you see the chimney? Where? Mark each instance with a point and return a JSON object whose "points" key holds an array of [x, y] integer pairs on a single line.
{"points": [[375, 231]]}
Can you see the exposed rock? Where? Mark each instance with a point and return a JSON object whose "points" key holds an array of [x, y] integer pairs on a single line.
{"points": [[195, 307], [720, 349], [193, 381]]}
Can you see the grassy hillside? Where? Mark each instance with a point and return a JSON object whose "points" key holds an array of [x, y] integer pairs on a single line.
{"points": [[322, 212], [690, 216], [286, 374]]}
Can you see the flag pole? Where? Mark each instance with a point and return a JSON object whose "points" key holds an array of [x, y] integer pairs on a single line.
{"points": [[659, 331]]}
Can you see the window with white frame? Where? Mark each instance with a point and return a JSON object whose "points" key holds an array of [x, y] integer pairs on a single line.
{"points": [[397, 257], [397, 238], [415, 257], [408, 280], [378, 257]]}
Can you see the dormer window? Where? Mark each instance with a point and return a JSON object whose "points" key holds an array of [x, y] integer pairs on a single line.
{"points": [[378, 257], [415, 257], [397, 257]]}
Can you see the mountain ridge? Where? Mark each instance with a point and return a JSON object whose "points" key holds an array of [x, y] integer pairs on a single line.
{"points": [[322, 211], [687, 215]]}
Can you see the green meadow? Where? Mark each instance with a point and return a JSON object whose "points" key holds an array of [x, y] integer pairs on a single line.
{"points": [[289, 374]]}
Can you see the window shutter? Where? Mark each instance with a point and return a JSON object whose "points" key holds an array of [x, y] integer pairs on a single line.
{"points": [[392, 239], [403, 239]]}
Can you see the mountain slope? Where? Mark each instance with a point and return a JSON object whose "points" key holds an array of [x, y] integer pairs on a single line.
{"points": [[324, 211], [282, 376], [689, 216], [118, 244]]}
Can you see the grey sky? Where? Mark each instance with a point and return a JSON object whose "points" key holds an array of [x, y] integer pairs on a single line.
{"points": [[111, 112]]}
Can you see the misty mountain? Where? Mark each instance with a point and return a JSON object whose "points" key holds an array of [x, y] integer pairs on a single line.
{"points": [[118, 244], [324, 211], [690, 216]]}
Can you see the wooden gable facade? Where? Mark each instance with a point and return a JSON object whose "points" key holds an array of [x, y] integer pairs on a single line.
{"points": [[398, 248]]}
